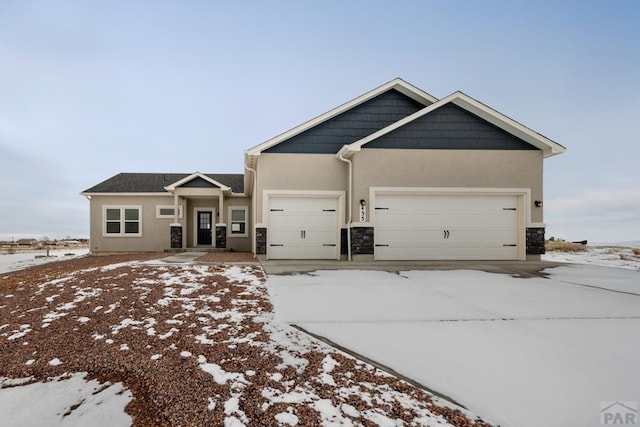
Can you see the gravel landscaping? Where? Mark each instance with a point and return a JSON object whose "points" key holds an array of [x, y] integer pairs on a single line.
{"points": [[194, 345]]}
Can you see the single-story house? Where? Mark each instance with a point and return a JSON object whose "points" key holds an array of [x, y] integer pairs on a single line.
{"points": [[394, 174]]}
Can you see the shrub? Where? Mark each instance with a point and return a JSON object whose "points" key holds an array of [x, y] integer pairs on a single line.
{"points": [[564, 247]]}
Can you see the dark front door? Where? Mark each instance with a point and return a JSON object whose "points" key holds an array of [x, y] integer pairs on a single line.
{"points": [[204, 227]]}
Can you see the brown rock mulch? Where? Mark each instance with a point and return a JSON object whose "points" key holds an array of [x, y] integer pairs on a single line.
{"points": [[196, 345]]}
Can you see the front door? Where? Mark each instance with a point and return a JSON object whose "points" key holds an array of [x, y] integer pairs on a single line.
{"points": [[204, 227]]}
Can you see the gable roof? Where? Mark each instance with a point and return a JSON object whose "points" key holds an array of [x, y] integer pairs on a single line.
{"points": [[196, 177], [157, 182], [397, 84], [548, 147]]}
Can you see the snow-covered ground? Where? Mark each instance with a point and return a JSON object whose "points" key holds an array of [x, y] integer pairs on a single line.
{"points": [[49, 403], [184, 345], [606, 256], [518, 352], [12, 262]]}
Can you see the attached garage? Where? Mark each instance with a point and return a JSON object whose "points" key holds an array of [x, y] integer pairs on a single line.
{"points": [[483, 226], [303, 227]]}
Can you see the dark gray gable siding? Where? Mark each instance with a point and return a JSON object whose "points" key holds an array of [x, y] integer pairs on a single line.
{"points": [[328, 137], [156, 182], [450, 128], [198, 182]]}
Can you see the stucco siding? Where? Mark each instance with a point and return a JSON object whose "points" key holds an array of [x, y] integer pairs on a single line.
{"points": [[155, 232], [448, 168], [303, 172], [239, 244]]}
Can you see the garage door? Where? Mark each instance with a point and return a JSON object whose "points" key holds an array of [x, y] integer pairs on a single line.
{"points": [[303, 228], [446, 227]]}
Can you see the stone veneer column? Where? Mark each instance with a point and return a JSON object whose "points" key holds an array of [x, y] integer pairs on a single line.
{"points": [[261, 241], [343, 241], [221, 236], [176, 236], [535, 241], [361, 240]]}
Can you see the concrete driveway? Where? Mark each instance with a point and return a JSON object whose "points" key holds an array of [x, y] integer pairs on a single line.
{"points": [[530, 351]]}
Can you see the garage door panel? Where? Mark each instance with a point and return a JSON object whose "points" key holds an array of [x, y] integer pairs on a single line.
{"points": [[302, 228], [415, 227], [408, 237]]}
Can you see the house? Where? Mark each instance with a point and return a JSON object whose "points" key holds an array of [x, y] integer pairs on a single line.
{"points": [[27, 242], [394, 174]]}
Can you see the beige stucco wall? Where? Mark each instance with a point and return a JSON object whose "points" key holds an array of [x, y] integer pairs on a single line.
{"points": [[239, 244], [447, 168], [155, 232], [304, 172], [402, 168]]}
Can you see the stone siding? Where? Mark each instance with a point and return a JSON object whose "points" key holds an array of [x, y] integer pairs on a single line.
{"points": [[362, 240], [535, 241], [176, 237], [261, 241], [221, 236]]}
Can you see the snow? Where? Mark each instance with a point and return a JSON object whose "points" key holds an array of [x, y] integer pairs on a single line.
{"points": [[55, 362], [606, 256], [72, 401], [521, 352], [287, 418], [19, 260]]}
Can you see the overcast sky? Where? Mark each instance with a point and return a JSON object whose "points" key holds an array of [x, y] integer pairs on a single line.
{"points": [[91, 89]]}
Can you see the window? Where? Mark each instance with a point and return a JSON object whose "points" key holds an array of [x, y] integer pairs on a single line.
{"points": [[122, 221], [168, 211], [238, 218]]}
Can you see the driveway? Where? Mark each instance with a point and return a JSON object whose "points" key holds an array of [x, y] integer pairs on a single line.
{"points": [[516, 351]]}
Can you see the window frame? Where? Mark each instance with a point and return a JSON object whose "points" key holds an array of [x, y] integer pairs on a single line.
{"points": [[122, 220], [230, 232], [172, 216]]}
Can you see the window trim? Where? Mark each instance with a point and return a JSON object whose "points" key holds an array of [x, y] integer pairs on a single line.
{"points": [[172, 216], [230, 232], [122, 221]]}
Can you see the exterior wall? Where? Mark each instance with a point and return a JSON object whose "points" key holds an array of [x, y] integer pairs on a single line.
{"points": [[302, 172], [239, 244], [156, 233], [447, 168]]}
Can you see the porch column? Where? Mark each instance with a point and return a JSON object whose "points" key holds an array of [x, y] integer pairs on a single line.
{"points": [[175, 208], [221, 226], [221, 209]]}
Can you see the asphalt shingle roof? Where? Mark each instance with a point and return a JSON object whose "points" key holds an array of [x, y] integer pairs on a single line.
{"points": [[155, 182]]}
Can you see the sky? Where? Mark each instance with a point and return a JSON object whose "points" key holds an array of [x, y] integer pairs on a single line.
{"points": [[91, 89]]}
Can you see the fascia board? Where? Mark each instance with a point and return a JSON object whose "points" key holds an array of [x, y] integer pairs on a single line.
{"points": [[548, 147], [397, 83]]}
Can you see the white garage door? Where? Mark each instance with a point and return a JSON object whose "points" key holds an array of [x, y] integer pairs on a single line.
{"points": [[303, 228], [446, 227]]}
